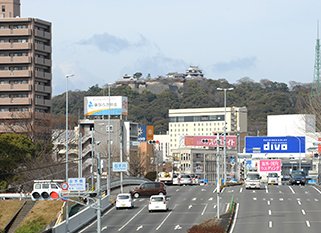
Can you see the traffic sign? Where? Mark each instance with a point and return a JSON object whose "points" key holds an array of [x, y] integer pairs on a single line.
{"points": [[120, 166], [77, 184], [64, 186]]}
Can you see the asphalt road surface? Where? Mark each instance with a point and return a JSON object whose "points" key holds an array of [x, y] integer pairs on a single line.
{"points": [[275, 209], [188, 205]]}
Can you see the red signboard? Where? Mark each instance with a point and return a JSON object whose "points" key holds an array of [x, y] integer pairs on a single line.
{"points": [[270, 165], [211, 141], [319, 145]]}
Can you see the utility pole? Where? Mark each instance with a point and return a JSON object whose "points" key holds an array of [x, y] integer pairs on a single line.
{"points": [[218, 176]]}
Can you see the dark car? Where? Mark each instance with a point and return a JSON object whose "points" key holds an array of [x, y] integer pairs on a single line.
{"points": [[148, 189], [297, 177]]}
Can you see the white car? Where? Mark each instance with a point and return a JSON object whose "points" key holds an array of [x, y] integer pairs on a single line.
{"points": [[124, 200], [175, 179], [157, 202], [185, 179]]}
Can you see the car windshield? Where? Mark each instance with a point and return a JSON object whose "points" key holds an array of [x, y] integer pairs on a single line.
{"points": [[123, 197], [253, 177], [185, 176], [273, 175], [156, 199]]}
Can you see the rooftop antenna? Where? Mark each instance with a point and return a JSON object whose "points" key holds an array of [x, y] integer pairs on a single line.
{"points": [[316, 85]]}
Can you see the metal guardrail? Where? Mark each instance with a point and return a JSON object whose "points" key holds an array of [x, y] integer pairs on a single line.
{"points": [[85, 216]]}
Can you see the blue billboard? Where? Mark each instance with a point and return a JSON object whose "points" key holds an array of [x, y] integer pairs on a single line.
{"points": [[142, 133], [289, 144]]}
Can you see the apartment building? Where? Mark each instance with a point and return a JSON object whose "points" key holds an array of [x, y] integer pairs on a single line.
{"points": [[25, 71]]}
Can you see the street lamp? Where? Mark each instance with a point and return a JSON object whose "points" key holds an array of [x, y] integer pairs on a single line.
{"points": [[109, 145], [299, 140], [224, 154], [67, 139]]}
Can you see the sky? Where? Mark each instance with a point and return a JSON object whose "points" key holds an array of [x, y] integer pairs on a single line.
{"points": [[102, 40]]}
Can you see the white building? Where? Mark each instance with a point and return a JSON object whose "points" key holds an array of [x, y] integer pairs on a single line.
{"points": [[163, 146], [204, 122]]}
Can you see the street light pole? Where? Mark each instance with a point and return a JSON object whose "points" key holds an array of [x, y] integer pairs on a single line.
{"points": [[67, 140], [108, 145], [224, 152]]}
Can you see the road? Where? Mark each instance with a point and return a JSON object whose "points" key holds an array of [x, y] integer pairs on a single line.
{"points": [[286, 209], [188, 205]]}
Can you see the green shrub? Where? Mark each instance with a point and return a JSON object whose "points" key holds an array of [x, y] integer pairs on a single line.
{"points": [[34, 226]]}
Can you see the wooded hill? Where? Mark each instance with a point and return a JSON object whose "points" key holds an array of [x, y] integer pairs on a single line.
{"points": [[261, 99]]}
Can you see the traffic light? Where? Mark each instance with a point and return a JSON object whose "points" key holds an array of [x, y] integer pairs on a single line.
{"points": [[45, 190], [153, 141]]}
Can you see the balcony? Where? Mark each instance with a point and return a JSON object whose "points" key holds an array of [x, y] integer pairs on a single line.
{"points": [[42, 75], [15, 46], [43, 102], [42, 61], [42, 34], [43, 48], [14, 73], [15, 32], [15, 115], [15, 101], [15, 59], [42, 88], [15, 87]]}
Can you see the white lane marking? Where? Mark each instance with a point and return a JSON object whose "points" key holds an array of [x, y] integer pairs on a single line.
{"points": [[254, 198], [104, 228], [141, 200], [203, 190], [271, 198], [177, 227], [266, 189], [303, 212], [214, 191], [214, 206], [210, 199], [270, 224], [281, 199], [163, 221], [241, 190], [95, 221], [316, 199], [280, 191], [131, 218], [291, 189], [253, 191], [222, 190], [190, 206], [177, 190], [308, 223], [194, 199], [227, 206], [235, 217], [264, 199], [140, 227], [316, 189], [270, 212], [299, 202], [204, 209], [231, 191], [268, 202], [306, 192]]}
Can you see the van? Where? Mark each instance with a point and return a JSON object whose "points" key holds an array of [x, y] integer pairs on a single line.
{"points": [[148, 189], [273, 178], [253, 180]]}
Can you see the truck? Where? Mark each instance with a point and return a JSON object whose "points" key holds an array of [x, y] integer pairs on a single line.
{"points": [[165, 177]]}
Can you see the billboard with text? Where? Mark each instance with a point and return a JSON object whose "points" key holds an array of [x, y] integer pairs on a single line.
{"points": [[288, 144], [211, 141]]}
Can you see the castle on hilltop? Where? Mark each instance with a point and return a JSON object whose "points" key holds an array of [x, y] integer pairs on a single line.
{"points": [[171, 81]]}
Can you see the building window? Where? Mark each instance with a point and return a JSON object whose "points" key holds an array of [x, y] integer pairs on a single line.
{"points": [[3, 8]]}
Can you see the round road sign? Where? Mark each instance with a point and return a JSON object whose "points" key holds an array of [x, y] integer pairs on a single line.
{"points": [[64, 186]]}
